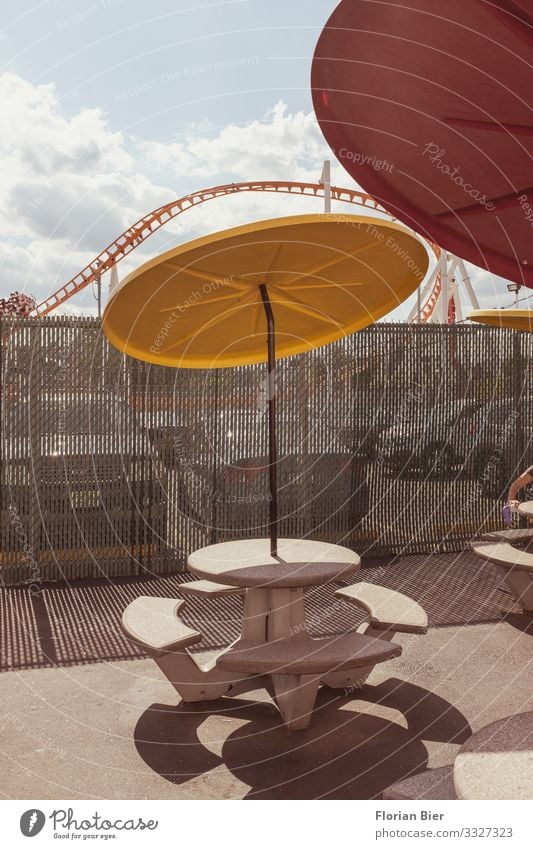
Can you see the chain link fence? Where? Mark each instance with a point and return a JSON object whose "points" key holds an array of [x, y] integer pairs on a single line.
{"points": [[399, 439]]}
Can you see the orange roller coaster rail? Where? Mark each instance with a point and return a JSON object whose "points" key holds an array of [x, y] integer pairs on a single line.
{"points": [[149, 224]]}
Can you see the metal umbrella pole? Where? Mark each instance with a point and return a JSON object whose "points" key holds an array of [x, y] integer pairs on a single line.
{"points": [[272, 438]]}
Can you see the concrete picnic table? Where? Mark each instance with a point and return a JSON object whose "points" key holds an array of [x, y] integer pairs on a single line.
{"points": [[274, 639], [497, 761], [274, 602], [526, 509]]}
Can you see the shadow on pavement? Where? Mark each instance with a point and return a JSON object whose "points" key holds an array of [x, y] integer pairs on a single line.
{"points": [[356, 745]]}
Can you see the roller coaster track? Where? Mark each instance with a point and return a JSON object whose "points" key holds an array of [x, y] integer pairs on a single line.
{"points": [[431, 302], [149, 224]]}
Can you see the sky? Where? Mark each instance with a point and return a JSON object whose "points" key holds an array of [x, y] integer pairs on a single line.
{"points": [[111, 108]]}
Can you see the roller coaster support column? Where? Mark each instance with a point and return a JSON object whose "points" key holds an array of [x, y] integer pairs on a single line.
{"points": [[325, 180]]}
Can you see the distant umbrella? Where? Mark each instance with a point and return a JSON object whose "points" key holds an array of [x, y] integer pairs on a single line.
{"points": [[513, 319]]}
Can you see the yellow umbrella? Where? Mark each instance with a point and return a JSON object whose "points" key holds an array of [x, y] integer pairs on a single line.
{"points": [[315, 278], [200, 306], [514, 319]]}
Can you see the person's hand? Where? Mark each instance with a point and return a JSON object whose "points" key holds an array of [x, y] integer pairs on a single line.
{"points": [[514, 505]]}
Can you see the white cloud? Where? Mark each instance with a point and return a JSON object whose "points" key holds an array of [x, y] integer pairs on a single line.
{"points": [[283, 146], [43, 141], [65, 178], [71, 184]]}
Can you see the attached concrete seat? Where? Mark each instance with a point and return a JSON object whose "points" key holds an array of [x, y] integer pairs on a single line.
{"points": [[305, 656], [208, 589], [388, 612], [494, 763], [520, 537], [497, 761], [298, 663], [516, 566], [154, 625], [429, 784]]}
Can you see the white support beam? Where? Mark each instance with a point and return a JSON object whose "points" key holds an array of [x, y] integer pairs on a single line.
{"points": [[454, 282], [325, 180], [467, 284]]}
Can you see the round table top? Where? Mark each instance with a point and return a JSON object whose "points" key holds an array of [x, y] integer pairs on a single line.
{"points": [[248, 563], [526, 509], [497, 762]]}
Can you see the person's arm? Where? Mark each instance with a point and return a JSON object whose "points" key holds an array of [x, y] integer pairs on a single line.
{"points": [[524, 479]]}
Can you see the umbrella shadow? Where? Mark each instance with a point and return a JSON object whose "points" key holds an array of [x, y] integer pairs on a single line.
{"points": [[356, 746]]}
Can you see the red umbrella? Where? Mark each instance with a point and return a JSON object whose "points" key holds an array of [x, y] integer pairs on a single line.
{"points": [[429, 107]]}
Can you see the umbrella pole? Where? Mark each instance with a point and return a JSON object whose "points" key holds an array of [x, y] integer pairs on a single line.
{"points": [[272, 440]]}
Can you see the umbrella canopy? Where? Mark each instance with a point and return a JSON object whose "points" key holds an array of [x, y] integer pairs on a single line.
{"points": [[200, 305], [514, 319], [267, 289], [428, 106]]}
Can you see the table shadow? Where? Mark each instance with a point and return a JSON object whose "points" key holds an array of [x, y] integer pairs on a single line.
{"points": [[520, 621], [356, 746]]}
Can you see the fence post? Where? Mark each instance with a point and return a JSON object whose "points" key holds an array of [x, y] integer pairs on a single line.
{"points": [[35, 385], [518, 384]]}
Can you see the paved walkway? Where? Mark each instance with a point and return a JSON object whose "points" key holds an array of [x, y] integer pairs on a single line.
{"points": [[84, 715]]}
